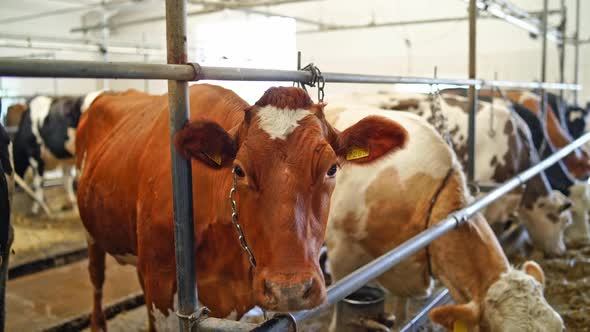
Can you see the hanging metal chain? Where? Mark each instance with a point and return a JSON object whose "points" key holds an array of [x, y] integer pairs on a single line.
{"points": [[491, 129], [317, 79], [236, 223], [439, 120]]}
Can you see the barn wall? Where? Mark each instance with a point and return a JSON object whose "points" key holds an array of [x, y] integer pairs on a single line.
{"points": [[409, 50]]}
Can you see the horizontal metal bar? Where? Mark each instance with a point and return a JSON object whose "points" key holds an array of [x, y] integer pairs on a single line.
{"points": [[421, 317], [93, 69], [224, 325], [134, 70], [374, 269]]}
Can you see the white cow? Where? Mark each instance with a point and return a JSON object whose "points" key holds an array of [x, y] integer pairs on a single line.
{"points": [[503, 149], [376, 207]]}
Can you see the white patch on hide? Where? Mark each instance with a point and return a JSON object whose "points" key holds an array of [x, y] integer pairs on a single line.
{"points": [[278, 122], [70, 144], [126, 259], [579, 231], [89, 99], [546, 234], [166, 321], [39, 107], [232, 315], [515, 303], [574, 115]]}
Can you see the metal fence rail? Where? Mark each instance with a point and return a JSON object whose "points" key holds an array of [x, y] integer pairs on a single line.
{"points": [[195, 72]]}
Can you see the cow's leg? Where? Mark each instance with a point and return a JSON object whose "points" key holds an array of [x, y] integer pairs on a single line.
{"points": [[96, 267], [37, 183], [160, 298], [69, 185]]}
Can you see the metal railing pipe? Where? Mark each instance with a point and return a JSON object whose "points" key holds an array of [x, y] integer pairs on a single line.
{"points": [[577, 49], [374, 269], [472, 93], [94, 69], [194, 72], [182, 183], [544, 62]]}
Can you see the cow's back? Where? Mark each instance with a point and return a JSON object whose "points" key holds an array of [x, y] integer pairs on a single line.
{"points": [[123, 151], [377, 207]]}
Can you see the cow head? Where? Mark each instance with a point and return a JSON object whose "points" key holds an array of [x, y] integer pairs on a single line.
{"points": [[286, 157], [546, 219], [515, 302]]}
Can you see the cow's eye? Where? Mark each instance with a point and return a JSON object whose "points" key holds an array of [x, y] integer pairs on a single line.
{"points": [[332, 171], [239, 171]]}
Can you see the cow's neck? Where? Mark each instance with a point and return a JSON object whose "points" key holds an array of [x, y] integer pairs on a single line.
{"points": [[469, 259], [223, 270]]}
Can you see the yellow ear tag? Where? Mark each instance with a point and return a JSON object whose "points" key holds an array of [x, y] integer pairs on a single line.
{"points": [[459, 326], [216, 158], [357, 153]]}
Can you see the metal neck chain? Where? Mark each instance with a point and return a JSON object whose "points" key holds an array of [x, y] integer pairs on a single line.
{"points": [[236, 223], [439, 120], [317, 79]]}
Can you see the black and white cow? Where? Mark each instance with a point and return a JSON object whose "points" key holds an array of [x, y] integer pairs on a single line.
{"points": [[573, 118], [45, 139], [6, 188]]}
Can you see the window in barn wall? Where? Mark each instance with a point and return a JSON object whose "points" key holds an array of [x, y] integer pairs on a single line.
{"points": [[251, 42]]}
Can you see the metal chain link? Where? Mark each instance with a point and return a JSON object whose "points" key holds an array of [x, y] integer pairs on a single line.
{"points": [[439, 120], [317, 79], [236, 223]]}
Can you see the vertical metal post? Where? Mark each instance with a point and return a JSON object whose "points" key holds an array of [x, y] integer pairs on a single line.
{"points": [[561, 45], [146, 83], [105, 44], [544, 61], [178, 100], [577, 50], [472, 91]]}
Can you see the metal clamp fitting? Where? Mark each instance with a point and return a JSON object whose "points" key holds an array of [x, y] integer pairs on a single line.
{"points": [[195, 317]]}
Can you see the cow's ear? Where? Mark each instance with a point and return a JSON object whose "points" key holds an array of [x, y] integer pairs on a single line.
{"points": [[534, 270], [370, 139], [206, 142], [462, 317]]}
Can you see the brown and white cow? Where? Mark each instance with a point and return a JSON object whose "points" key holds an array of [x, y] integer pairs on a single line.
{"points": [[377, 207], [578, 163], [503, 149], [285, 156]]}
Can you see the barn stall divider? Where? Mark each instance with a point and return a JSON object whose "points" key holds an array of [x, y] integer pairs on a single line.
{"points": [[179, 72]]}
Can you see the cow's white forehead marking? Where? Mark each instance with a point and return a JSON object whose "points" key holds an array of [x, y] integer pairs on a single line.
{"points": [[39, 107], [89, 99], [279, 122]]}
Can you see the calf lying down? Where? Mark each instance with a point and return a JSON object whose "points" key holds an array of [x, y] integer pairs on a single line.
{"points": [[376, 207]]}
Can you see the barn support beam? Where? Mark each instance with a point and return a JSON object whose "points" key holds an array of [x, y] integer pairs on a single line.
{"points": [[184, 234], [472, 92], [544, 61], [382, 264], [577, 49], [194, 72]]}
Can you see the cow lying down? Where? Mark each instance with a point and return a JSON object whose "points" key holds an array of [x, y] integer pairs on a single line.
{"points": [[376, 207]]}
